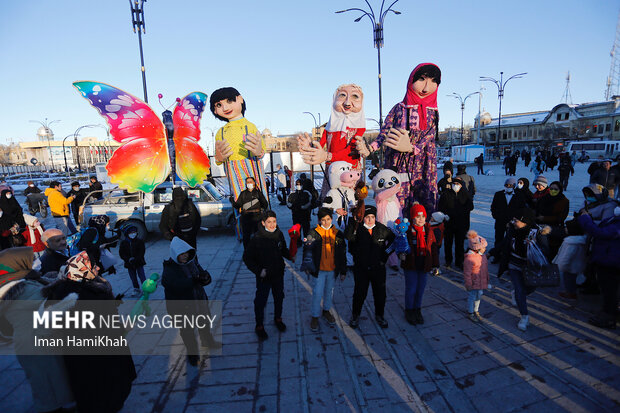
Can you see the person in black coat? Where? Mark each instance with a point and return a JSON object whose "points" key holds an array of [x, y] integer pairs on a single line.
{"points": [[79, 195], [505, 206], [300, 204], [180, 218], [95, 185], [184, 280], [95, 239], [367, 243], [11, 208], [264, 256], [54, 255], [565, 169], [87, 373], [131, 251], [456, 203], [251, 203], [523, 188]]}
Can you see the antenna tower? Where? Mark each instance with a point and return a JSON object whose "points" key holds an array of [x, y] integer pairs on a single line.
{"points": [[613, 80], [566, 97]]}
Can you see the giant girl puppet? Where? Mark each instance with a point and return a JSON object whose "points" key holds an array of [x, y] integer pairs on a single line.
{"points": [[342, 137], [238, 144], [408, 136]]}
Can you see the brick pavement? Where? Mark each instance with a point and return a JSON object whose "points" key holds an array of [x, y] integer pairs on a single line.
{"points": [[560, 363]]}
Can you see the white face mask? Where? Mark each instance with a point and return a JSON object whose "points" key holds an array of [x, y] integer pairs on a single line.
{"points": [[298, 187], [31, 185], [250, 187], [369, 227], [508, 190], [520, 186], [9, 195], [270, 230], [330, 225], [456, 188], [133, 235]]}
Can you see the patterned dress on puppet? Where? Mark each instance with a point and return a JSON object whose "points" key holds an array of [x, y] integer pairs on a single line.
{"points": [[341, 196], [387, 185], [400, 244], [150, 150], [418, 115]]}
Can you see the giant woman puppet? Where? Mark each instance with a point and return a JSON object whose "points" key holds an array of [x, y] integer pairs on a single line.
{"points": [[408, 136]]}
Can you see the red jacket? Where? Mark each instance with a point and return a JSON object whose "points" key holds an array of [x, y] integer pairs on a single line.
{"points": [[342, 147], [475, 271], [413, 261], [36, 244]]}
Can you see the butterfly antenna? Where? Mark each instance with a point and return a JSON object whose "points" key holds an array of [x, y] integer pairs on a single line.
{"points": [[160, 96]]}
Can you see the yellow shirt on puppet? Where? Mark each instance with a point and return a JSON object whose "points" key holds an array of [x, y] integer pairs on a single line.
{"points": [[233, 133]]}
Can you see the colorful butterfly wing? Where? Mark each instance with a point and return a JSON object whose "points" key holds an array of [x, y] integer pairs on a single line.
{"points": [[192, 164], [141, 162]]}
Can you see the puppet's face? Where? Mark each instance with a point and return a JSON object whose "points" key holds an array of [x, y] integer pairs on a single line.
{"points": [[424, 86], [230, 109], [349, 99]]}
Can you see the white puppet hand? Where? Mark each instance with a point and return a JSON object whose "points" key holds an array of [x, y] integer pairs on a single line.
{"points": [[222, 151], [362, 148], [313, 154], [398, 139], [254, 144], [304, 141]]}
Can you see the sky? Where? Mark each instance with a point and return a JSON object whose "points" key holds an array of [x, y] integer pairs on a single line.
{"points": [[287, 57]]}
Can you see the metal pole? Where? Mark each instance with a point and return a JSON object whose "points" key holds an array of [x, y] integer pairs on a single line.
{"points": [[499, 120], [146, 98], [462, 111], [479, 105], [379, 77]]}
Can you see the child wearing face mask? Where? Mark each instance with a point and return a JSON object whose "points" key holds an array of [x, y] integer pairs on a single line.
{"points": [[300, 204], [475, 273], [131, 251]]}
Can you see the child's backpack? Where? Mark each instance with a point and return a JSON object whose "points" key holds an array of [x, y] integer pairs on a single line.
{"points": [[73, 241]]}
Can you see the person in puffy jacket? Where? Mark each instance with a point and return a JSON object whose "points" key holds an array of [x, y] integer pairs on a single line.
{"points": [[324, 258], [475, 273], [264, 256], [606, 258], [59, 206], [131, 251]]}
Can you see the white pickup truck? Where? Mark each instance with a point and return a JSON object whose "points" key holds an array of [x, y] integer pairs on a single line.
{"points": [[144, 209]]}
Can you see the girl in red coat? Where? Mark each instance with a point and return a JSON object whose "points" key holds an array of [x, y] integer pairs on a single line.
{"points": [[32, 235], [475, 273]]}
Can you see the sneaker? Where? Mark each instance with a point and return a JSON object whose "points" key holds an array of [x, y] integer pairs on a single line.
{"points": [[280, 325], [354, 322], [381, 321], [435, 272], [567, 295], [193, 360], [314, 324], [513, 300], [523, 322], [473, 317], [409, 316], [261, 333], [417, 313], [329, 317], [478, 316]]}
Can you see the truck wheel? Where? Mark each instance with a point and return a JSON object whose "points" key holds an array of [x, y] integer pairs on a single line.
{"points": [[142, 232]]}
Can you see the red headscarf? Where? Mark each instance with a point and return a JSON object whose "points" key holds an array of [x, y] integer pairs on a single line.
{"points": [[419, 231], [411, 98]]}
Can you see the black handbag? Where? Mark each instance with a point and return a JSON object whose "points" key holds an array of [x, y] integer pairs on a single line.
{"points": [[547, 275]]}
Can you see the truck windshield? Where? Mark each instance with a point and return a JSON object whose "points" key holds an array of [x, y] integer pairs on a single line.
{"points": [[213, 191]]}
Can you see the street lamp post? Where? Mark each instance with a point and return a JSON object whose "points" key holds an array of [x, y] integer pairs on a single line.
{"points": [[137, 20], [65, 154], [377, 26], [501, 85], [456, 95], [316, 128], [77, 147], [48, 132]]}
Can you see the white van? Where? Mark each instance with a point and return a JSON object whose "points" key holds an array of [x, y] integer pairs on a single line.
{"points": [[594, 149]]}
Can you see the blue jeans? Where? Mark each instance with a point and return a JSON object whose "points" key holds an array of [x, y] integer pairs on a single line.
{"points": [[139, 271], [65, 225], [521, 291], [473, 296], [415, 283], [323, 288]]}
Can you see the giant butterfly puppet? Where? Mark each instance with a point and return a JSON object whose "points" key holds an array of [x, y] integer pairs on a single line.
{"points": [[150, 150]]}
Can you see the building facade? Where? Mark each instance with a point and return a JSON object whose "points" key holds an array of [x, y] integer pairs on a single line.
{"points": [[53, 154], [554, 128]]}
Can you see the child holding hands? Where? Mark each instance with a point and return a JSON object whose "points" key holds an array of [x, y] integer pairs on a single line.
{"points": [[475, 273]]}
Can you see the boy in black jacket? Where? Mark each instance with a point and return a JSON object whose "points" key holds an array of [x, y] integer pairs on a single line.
{"points": [[131, 251], [367, 243], [264, 257]]}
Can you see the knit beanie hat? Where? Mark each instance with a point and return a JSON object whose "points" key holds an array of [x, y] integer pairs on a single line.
{"points": [[540, 180], [370, 210], [324, 212], [416, 210], [439, 217], [511, 181], [475, 242], [29, 219]]}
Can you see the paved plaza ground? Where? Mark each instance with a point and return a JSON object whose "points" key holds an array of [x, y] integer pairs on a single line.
{"points": [[560, 363]]}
